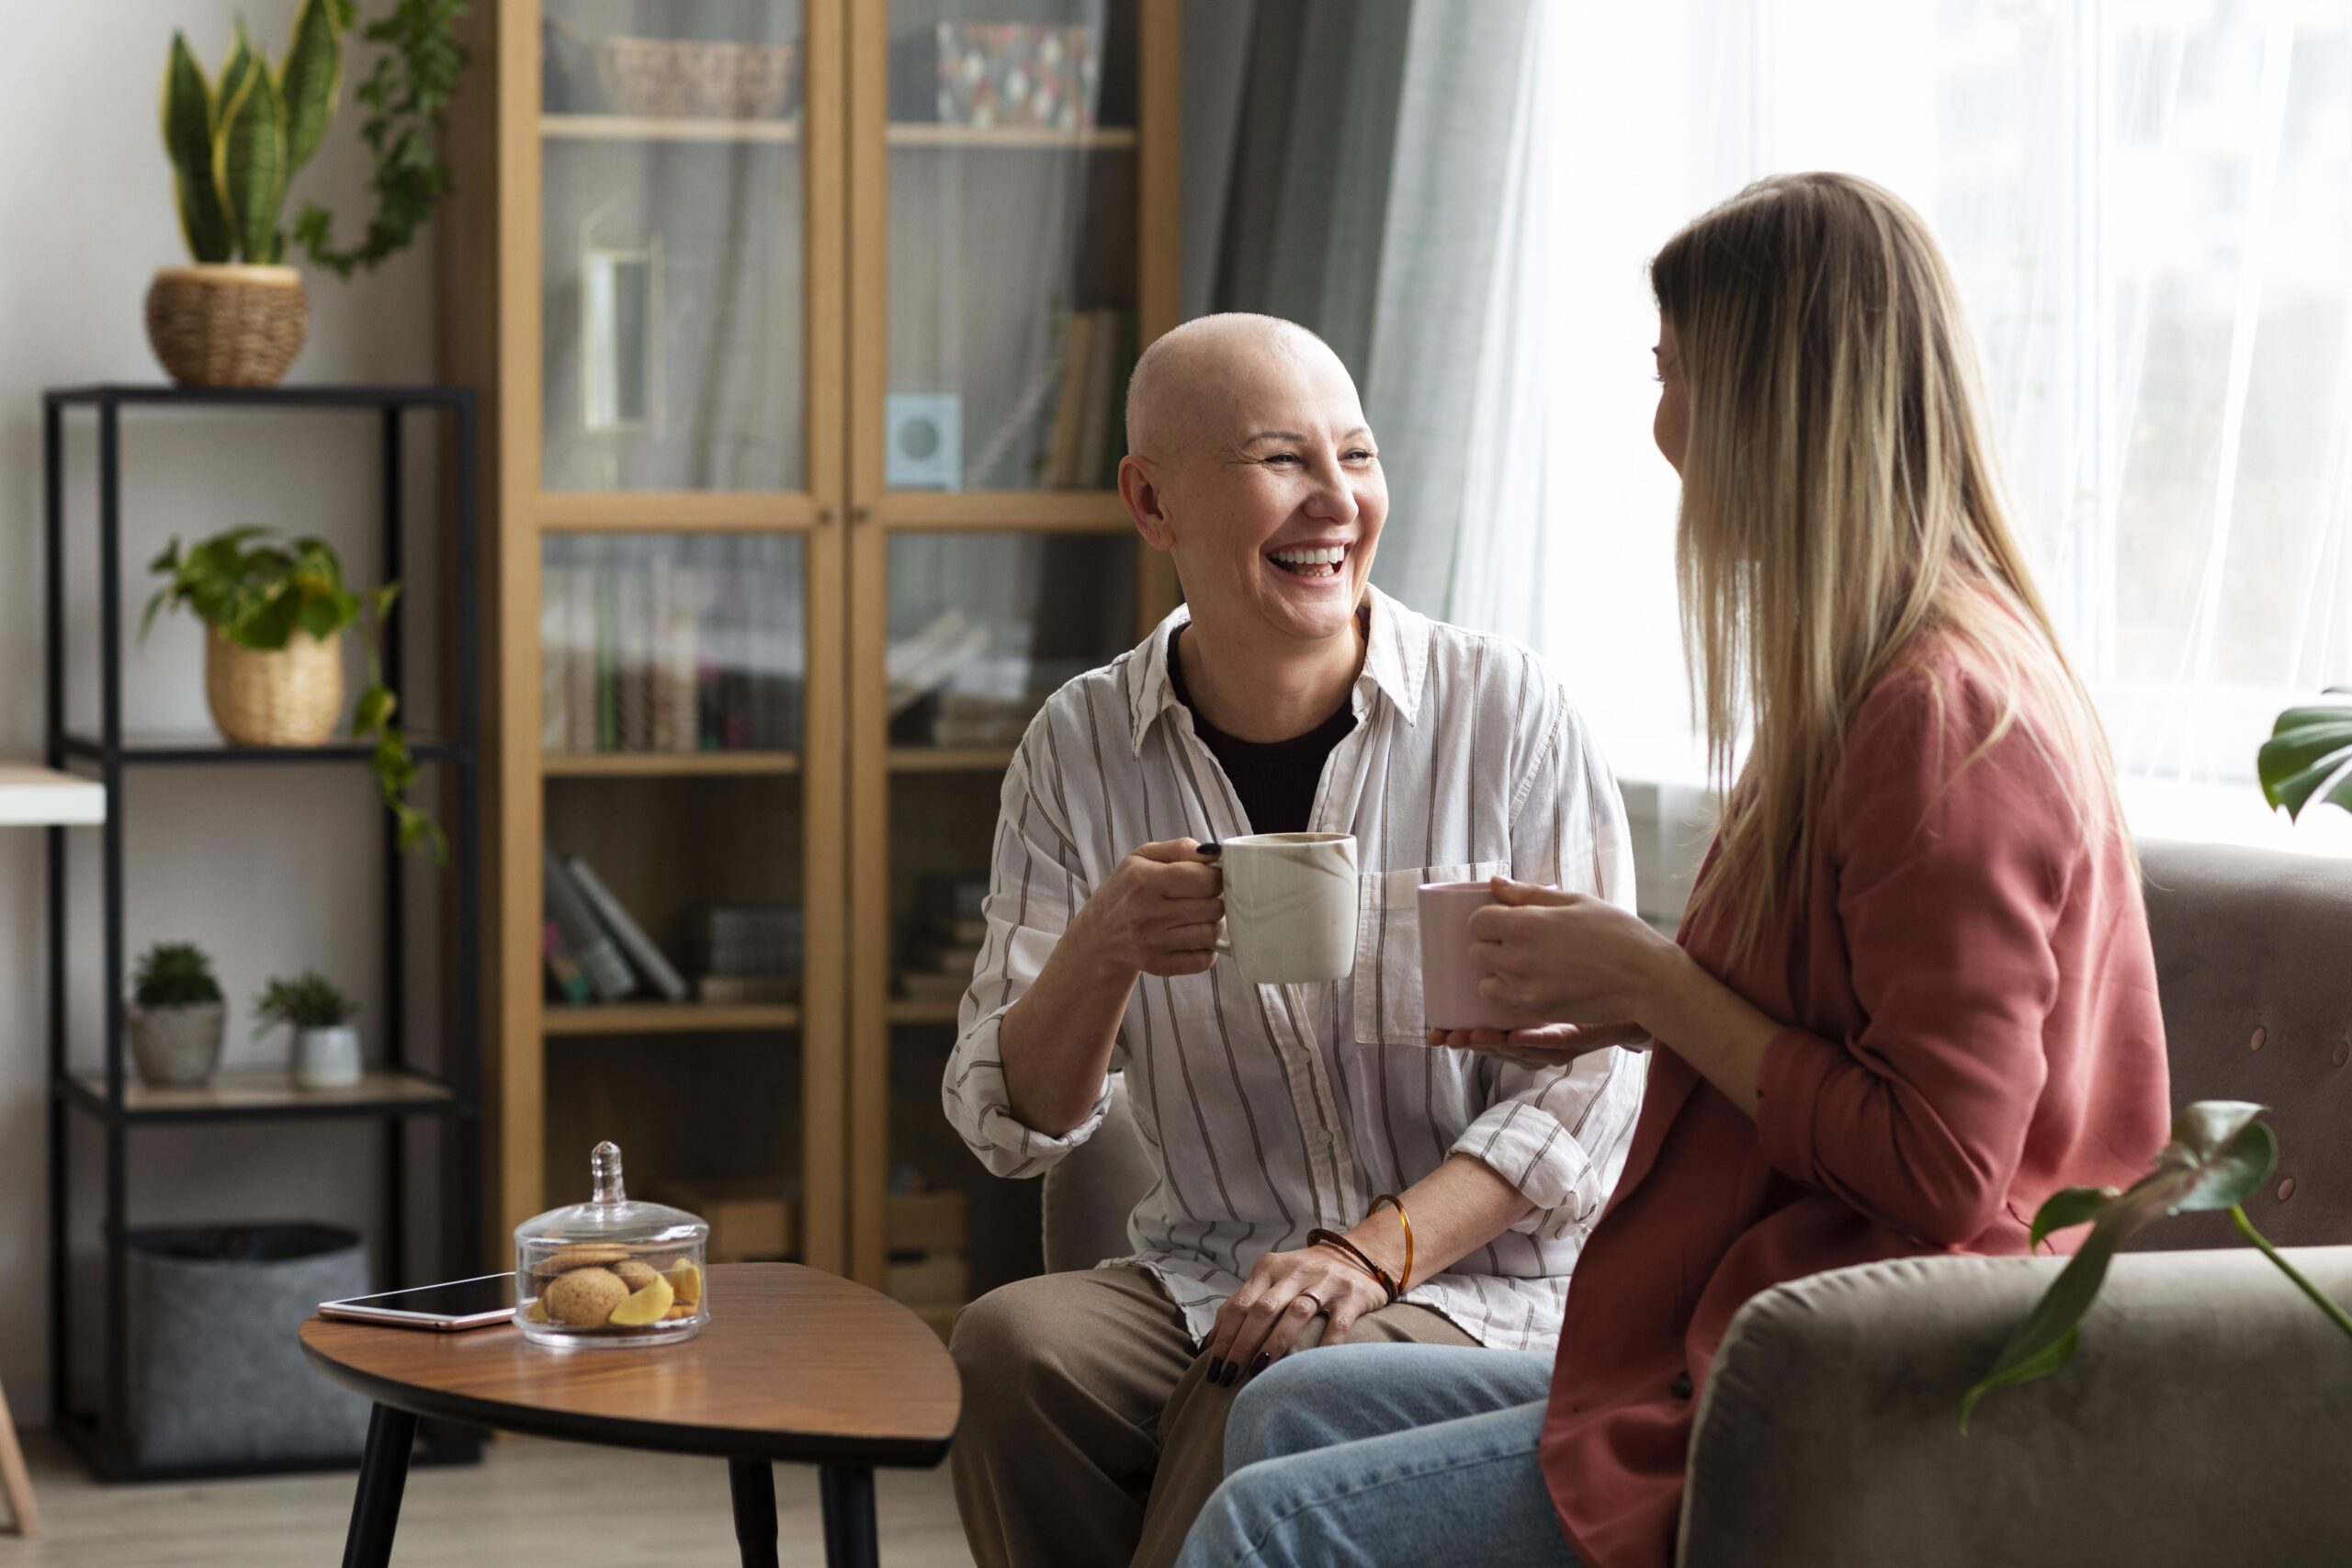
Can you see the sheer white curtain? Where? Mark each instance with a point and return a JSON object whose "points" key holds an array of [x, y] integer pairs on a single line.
{"points": [[2149, 205]]}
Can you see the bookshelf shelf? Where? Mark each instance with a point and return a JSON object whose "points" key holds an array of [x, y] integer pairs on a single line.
{"points": [[950, 760], [1017, 138], [250, 1094], [664, 127], [666, 764], [668, 1018]]}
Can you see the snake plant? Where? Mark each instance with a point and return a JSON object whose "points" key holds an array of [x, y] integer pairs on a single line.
{"points": [[236, 144]]}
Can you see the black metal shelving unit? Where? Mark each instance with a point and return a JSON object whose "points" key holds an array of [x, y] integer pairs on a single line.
{"points": [[390, 1097]]}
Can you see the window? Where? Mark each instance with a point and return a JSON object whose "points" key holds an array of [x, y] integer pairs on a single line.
{"points": [[2149, 207]]}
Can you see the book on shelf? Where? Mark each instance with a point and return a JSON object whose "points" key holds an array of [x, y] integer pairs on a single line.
{"points": [[563, 971], [1098, 350], [649, 959], [674, 645], [758, 940], [582, 937]]}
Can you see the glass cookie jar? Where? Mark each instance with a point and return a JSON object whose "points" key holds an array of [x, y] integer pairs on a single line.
{"points": [[611, 1271]]}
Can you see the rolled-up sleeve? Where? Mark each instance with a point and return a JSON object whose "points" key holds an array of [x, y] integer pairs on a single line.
{"points": [[1035, 885], [1559, 1135]]}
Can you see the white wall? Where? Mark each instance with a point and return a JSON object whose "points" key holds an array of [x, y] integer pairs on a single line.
{"points": [[271, 870]]}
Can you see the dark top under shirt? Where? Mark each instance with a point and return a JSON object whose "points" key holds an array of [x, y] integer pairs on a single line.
{"points": [[1275, 779]]}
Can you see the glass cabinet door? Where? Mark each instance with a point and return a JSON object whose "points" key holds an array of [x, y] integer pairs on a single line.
{"points": [[674, 246], [1011, 171], [998, 156]]}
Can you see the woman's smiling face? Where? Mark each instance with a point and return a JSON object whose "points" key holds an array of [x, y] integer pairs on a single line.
{"points": [[1276, 499]]}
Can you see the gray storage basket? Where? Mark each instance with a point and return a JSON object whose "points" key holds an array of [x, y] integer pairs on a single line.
{"points": [[216, 1374]]}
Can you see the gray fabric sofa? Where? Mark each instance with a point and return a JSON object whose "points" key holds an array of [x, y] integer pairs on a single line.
{"points": [[2208, 1417]]}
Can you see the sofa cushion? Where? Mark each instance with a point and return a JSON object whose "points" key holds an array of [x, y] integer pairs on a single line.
{"points": [[2254, 958]]}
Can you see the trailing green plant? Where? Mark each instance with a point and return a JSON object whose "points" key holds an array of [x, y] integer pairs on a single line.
{"points": [[236, 144], [2308, 756], [2219, 1153], [174, 975], [260, 589], [309, 1000]]}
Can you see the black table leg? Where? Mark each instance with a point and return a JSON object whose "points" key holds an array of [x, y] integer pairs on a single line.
{"points": [[848, 1494], [752, 1484], [383, 1476]]}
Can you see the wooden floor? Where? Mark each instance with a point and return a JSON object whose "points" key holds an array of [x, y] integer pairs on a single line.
{"points": [[527, 1505]]}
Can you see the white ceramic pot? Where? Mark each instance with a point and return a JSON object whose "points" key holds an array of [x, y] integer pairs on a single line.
{"points": [[326, 1058]]}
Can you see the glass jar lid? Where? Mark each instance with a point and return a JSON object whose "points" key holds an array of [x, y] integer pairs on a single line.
{"points": [[611, 1215]]}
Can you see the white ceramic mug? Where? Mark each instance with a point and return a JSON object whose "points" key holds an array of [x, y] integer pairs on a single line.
{"points": [[1289, 906]]}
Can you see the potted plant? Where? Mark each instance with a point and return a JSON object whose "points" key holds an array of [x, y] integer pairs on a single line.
{"points": [[238, 316], [177, 1015], [2309, 755], [275, 610], [326, 1048]]}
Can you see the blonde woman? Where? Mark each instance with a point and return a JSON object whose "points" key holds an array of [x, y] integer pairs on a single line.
{"points": [[1914, 995]]}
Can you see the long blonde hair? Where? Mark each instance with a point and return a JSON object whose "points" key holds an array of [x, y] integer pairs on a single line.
{"points": [[1839, 498]]}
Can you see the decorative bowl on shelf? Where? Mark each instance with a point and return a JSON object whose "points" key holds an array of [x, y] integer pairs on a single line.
{"points": [[697, 78], [612, 1272]]}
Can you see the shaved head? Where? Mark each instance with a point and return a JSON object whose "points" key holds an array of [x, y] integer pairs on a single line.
{"points": [[1184, 383]]}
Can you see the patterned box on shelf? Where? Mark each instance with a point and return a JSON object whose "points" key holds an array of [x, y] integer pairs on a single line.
{"points": [[1019, 74]]}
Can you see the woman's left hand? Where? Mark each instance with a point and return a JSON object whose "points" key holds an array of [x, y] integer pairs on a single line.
{"points": [[1566, 957], [1287, 1290]]}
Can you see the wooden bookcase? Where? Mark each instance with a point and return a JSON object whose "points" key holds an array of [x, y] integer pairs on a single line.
{"points": [[695, 333]]}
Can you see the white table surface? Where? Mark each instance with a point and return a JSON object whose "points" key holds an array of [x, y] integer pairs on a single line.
{"points": [[34, 796]]}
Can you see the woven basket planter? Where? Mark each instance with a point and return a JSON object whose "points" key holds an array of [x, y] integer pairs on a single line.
{"points": [[289, 697], [225, 325]]}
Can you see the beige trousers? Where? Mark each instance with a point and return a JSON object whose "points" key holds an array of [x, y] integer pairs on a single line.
{"points": [[1090, 1435]]}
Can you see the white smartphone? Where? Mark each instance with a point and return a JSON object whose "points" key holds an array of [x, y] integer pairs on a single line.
{"points": [[460, 1303]]}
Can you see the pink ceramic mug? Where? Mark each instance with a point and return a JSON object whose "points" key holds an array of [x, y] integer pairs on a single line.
{"points": [[1450, 998]]}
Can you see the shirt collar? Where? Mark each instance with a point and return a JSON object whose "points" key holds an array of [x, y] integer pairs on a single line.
{"points": [[1395, 665]]}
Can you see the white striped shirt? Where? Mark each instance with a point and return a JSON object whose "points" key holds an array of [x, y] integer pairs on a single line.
{"points": [[1271, 1109]]}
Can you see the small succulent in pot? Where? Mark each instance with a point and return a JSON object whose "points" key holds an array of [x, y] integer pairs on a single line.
{"points": [[326, 1048], [177, 1016]]}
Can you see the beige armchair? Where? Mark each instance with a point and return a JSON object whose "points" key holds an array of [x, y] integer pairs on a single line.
{"points": [[2206, 1419]]}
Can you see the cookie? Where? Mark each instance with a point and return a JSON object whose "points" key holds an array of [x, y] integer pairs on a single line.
{"points": [[686, 1280], [677, 1309], [583, 1254], [636, 1273], [584, 1297]]}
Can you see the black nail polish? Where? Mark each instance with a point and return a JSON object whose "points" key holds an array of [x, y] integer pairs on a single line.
{"points": [[1216, 1367], [1232, 1370], [1211, 848], [1265, 1358]]}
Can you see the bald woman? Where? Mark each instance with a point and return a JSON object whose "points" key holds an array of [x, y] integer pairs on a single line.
{"points": [[1288, 695]]}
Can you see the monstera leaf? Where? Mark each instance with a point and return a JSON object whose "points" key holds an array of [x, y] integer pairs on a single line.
{"points": [[2308, 756], [2219, 1153]]}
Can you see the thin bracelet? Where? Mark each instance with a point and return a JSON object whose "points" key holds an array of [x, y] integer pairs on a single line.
{"points": [[1399, 1205], [1321, 1237]]}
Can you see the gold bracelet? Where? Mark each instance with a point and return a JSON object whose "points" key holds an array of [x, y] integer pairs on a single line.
{"points": [[1391, 1198]]}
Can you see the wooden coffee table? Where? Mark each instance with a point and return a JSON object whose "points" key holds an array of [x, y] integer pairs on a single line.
{"points": [[794, 1365]]}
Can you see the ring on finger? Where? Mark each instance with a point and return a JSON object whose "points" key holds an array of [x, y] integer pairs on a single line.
{"points": [[1311, 1296]]}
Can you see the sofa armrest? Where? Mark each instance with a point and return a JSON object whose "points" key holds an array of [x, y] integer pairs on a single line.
{"points": [[2205, 1419], [1091, 1190]]}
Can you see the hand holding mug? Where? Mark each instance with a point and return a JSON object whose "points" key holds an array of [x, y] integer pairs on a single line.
{"points": [[1579, 965], [1157, 913]]}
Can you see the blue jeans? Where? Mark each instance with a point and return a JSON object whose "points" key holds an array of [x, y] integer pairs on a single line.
{"points": [[1380, 1455]]}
